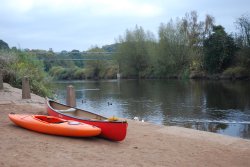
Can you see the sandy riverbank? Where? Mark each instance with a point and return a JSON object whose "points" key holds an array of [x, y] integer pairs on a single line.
{"points": [[145, 145]]}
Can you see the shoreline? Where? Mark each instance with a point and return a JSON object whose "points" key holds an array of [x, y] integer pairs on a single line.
{"points": [[146, 144]]}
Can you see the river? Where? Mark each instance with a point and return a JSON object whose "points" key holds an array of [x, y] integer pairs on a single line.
{"points": [[215, 106]]}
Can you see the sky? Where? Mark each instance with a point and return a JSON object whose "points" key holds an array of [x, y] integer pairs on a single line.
{"points": [[82, 24]]}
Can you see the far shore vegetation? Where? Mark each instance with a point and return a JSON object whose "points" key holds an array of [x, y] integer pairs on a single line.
{"points": [[184, 48]]}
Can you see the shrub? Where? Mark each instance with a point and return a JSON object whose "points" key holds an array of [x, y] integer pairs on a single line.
{"points": [[236, 73], [79, 73], [16, 65]]}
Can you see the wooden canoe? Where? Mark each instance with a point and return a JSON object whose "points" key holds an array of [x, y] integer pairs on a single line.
{"points": [[54, 125], [111, 128]]}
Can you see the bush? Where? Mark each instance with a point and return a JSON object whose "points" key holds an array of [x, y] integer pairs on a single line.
{"points": [[61, 73], [236, 73], [243, 57], [16, 65], [79, 73]]}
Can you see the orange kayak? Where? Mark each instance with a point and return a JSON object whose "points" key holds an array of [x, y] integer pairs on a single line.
{"points": [[54, 126]]}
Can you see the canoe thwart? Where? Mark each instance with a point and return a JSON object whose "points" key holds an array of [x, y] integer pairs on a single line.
{"points": [[67, 110]]}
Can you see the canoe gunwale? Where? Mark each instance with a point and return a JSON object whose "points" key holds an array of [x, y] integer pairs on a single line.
{"points": [[80, 118]]}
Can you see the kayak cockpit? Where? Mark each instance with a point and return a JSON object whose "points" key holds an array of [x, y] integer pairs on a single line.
{"points": [[49, 119]]}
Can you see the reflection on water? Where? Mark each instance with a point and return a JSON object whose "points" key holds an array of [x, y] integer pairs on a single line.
{"points": [[216, 106]]}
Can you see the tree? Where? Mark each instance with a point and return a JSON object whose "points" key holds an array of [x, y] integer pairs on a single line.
{"points": [[133, 55], [219, 49], [75, 54], [3, 45], [209, 23], [196, 32], [192, 28], [243, 24], [96, 68], [243, 42], [173, 51]]}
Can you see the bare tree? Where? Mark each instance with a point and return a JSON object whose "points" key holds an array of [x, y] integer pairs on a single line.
{"points": [[209, 23], [243, 24]]}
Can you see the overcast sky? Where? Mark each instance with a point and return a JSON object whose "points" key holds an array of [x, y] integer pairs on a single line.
{"points": [[80, 24]]}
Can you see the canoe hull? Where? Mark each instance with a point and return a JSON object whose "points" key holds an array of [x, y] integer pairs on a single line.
{"points": [[65, 128], [112, 130]]}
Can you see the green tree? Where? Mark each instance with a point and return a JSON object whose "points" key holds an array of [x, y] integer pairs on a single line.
{"points": [[219, 50], [96, 68], [133, 55], [3, 45], [75, 54], [173, 51]]}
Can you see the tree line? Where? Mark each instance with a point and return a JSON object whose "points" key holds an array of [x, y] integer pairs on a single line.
{"points": [[186, 48]]}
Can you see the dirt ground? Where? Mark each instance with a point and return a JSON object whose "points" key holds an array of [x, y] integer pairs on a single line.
{"points": [[145, 145]]}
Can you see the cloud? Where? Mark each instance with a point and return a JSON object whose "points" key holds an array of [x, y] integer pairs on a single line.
{"points": [[19, 7], [78, 24], [31, 22], [94, 7], [125, 8]]}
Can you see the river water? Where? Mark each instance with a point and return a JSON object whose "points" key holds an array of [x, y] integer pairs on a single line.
{"points": [[215, 106]]}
